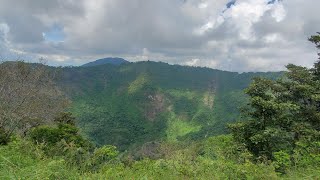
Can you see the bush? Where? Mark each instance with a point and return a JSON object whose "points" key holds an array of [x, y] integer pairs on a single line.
{"points": [[53, 135], [3, 137], [21, 159], [46, 134], [282, 161]]}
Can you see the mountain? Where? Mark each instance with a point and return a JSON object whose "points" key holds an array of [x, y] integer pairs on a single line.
{"points": [[135, 103], [109, 60]]}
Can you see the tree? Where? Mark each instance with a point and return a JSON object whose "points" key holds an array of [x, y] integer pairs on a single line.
{"points": [[28, 97], [65, 118], [316, 40], [51, 135], [282, 113]]}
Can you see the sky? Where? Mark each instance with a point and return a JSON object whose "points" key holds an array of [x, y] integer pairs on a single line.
{"points": [[233, 35]]}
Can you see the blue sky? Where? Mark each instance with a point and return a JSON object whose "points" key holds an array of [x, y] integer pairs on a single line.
{"points": [[229, 4], [55, 34]]}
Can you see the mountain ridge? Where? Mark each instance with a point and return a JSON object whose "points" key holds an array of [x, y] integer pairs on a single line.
{"points": [[135, 103], [107, 60]]}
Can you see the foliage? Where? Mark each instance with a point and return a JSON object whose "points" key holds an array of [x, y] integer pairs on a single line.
{"points": [[64, 130], [65, 118], [165, 127], [3, 137], [282, 161], [28, 94], [103, 155], [21, 159], [284, 118], [134, 103], [215, 158]]}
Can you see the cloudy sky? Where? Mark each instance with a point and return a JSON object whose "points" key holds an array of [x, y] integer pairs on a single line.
{"points": [[235, 35]]}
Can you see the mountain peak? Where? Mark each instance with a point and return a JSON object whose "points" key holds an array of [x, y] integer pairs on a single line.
{"points": [[108, 60]]}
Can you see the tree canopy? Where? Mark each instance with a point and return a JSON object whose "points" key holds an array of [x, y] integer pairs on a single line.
{"points": [[283, 115], [28, 97]]}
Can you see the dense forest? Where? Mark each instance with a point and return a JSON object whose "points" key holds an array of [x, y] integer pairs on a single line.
{"points": [[151, 120], [135, 103]]}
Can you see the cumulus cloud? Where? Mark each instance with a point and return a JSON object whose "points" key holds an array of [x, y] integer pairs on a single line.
{"points": [[236, 35], [4, 29]]}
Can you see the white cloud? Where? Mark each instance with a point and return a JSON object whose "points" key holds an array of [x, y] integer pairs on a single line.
{"points": [[279, 12], [273, 38], [5, 48], [251, 35], [192, 62]]}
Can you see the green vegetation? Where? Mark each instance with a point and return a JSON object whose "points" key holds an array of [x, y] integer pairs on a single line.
{"points": [[215, 158], [134, 103], [177, 127], [283, 123], [169, 131]]}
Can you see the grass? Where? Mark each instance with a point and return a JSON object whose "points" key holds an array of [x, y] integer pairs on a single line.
{"points": [[178, 127], [214, 158]]}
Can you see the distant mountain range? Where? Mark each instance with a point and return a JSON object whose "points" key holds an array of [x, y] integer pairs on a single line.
{"points": [[109, 60], [134, 103]]}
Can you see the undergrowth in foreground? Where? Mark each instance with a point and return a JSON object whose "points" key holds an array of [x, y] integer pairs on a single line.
{"points": [[215, 158]]}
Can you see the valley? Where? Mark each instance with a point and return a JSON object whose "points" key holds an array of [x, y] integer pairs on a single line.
{"points": [[135, 103]]}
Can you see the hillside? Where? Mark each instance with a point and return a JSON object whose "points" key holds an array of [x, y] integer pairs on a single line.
{"points": [[159, 90], [134, 103], [123, 105]]}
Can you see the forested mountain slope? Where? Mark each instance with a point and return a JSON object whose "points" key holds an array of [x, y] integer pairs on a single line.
{"points": [[134, 103], [162, 118], [109, 60]]}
